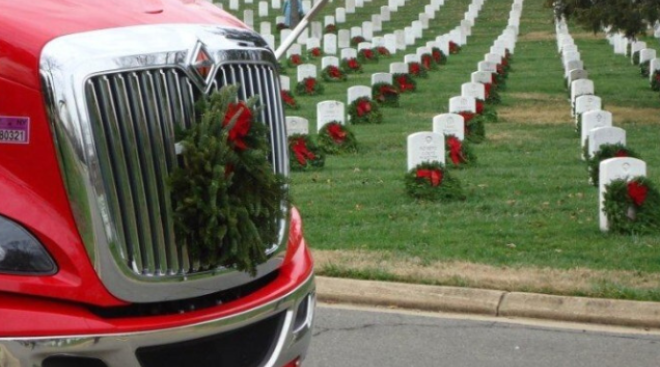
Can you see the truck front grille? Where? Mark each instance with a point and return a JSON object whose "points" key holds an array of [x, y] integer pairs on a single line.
{"points": [[134, 116]]}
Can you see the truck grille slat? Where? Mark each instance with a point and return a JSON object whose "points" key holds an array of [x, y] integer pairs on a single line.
{"points": [[135, 115]]}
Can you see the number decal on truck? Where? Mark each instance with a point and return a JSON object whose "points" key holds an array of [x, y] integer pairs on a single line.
{"points": [[14, 130]]}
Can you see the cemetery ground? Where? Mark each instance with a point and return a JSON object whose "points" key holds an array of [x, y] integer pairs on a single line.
{"points": [[530, 220]]}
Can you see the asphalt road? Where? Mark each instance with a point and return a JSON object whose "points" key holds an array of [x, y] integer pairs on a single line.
{"points": [[347, 337]]}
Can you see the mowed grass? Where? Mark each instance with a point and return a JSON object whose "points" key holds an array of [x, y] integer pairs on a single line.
{"points": [[529, 204]]}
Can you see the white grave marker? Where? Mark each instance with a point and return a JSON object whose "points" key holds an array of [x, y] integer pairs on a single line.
{"points": [[449, 124], [329, 61], [296, 125], [356, 92], [605, 135], [461, 103], [614, 169], [285, 82], [344, 38], [329, 111], [330, 44], [340, 15], [425, 147], [305, 71], [382, 78], [592, 120], [474, 90], [348, 53]]}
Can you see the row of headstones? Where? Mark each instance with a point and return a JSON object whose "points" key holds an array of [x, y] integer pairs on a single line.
{"points": [[623, 45], [430, 146], [596, 127]]}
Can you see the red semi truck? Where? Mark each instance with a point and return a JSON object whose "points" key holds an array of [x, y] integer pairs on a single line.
{"points": [[90, 275]]}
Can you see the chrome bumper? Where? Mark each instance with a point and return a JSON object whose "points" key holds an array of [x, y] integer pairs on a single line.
{"points": [[119, 350]]}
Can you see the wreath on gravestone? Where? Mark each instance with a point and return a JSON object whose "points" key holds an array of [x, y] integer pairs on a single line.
{"points": [[655, 81], [367, 55], [635, 58], [404, 82], [475, 129], [351, 65], [631, 206], [385, 94], [439, 56], [309, 87], [605, 151], [304, 153], [578, 118], [454, 48], [458, 152], [487, 113], [493, 96], [508, 56], [330, 28], [314, 53], [417, 70], [644, 68], [500, 77], [227, 200], [428, 62], [355, 41], [281, 26], [332, 73], [383, 51], [289, 100], [431, 181], [364, 111], [294, 60], [335, 138]]}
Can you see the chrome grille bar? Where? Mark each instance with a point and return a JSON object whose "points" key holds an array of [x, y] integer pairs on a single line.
{"points": [[135, 115]]}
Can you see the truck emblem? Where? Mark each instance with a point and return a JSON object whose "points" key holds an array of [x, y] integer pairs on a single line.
{"points": [[202, 64]]}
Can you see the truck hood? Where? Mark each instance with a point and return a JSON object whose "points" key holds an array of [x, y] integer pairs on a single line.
{"points": [[26, 26]]}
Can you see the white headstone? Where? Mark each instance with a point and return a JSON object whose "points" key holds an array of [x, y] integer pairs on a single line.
{"points": [[411, 58], [449, 124], [356, 31], [348, 53], [263, 9], [594, 119], [391, 43], [248, 17], [296, 125], [313, 43], [487, 66], [425, 147], [330, 44], [581, 87], [378, 42], [572, 65], [284, 34], [377, 22], [400, 39], [494, 58], [364, 45], [637, 46], [270, 40], [302, 38], [570, 56], [646, 54], [399, 68], [474, 90], [329, 111], [409, 36], [295, 49], [459, 104], [344, 38], [358, 91], [285, 82], [393, 5], [654, 65], [385, 13], [306, 71], [340, 15], [350, 6], [615, 169], [317, 30], [367, 30], [484, 77], [605, 135], [329, 61], [328, 19], [417, 29], [280, 19], [265, 28], [577, 74], [587, 103], [429, 10], [466, 26], [276, 4], [381, 78], [306, 5], [233, 5]]}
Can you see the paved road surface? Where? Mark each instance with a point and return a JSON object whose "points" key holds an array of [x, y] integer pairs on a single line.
{"points": [[349, 337]]}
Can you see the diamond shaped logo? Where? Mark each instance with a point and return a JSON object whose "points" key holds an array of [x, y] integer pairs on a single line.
{"points": [[202, 64]]}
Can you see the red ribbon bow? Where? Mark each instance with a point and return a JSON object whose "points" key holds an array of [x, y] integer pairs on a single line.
{"points": [[637, 192], [480, 106], [368, 53], [334, 72], [288, 98], [455, 150], [337, 133], [467, 116], [426, 61], [434, 176], [295, 59], [437, 56], [310, 83], [487, 89], [301, 152], [413, 68], [316, 52], [242, 124], [363, 107], [353, 64], [385, 91], [403, 83]]}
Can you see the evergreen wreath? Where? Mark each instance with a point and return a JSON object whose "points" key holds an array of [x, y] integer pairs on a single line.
{"points": [[431, 181], [417, 70], [227, 200], [304, 154], [367, 55], [315, 53], [631, 206], [335, 138], [439, 56], [289, 100], [294, 60], [428, 62], [492, 95], [330, 28], [644, 68], [454, 48], [475, 129], [351, 65], [281, 26], [655, 81], [459, 153], [355, 41], [404, 82], [309, 87], [489, 114], [385, 94], [606, 151], [332, 74], [635, 58], [383, 51], [364, 111]]}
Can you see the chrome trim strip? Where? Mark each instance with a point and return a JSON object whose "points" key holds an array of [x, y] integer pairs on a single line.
{"points": [[119, 349], [144, 74]]}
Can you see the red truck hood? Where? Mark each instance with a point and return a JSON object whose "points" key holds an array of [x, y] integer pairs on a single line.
{"points": [[26, 26]]}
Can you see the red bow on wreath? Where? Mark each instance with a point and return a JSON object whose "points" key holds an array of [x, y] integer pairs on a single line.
{"points": [[437, 56], [413, 68], [620, 154], [242, 124], [363, 107], [316, 52], [426, 61], [455, 150], [403, 83], [295, 59], [301, 152], [480, 106], [434, 176], [367, 53], [288, 99], [337, 133], [353, 64], [487, 89], [467, 116], [310, 83], [637, 192], [385, 91], [334, 72]]}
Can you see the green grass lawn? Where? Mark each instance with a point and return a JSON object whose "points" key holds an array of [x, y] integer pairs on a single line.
{"points": [[529, 203]]}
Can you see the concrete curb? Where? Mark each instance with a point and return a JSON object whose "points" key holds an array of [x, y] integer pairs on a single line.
{"points": [[489, 302]]}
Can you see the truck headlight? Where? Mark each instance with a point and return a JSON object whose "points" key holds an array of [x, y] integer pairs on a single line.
{"points": [[20, 252]]}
